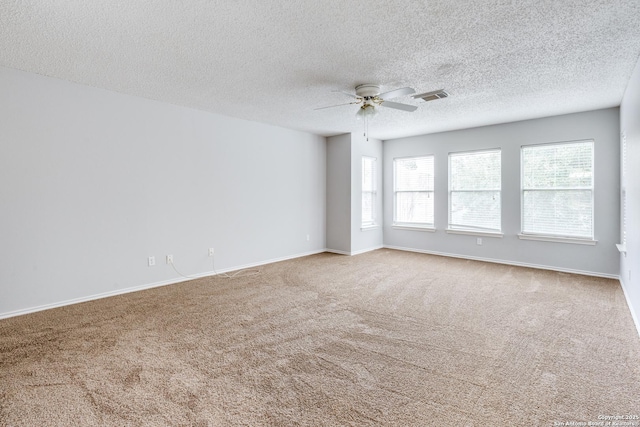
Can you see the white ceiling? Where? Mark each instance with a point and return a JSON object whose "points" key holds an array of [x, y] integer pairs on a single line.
{"points": [[276, 61]]}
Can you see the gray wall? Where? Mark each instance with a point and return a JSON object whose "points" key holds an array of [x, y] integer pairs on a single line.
{"points": [[339, 194], [630, 126], [93, 182], [601, 126]]}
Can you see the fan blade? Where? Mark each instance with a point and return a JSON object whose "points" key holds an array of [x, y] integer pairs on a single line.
{"points": [[352, 95], [399, 106], [339, 105], [396, 93]]}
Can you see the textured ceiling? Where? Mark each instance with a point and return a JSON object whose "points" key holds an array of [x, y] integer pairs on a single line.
{"points": [[276, 61]]}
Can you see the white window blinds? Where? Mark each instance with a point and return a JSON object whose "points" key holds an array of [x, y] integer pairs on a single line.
{"points": [[368, 191], [623, 189], [413, 191], [557, 189], [474, 191]]}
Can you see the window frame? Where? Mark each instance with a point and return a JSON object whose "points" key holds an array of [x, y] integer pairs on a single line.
{"points": [[622, 247], [470, 230], [373, 191], [556, 237], [425, 226]]}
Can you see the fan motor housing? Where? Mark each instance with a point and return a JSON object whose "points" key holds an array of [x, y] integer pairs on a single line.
{"points": [[367, 90]]}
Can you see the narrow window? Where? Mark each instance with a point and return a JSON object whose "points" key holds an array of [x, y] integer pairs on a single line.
{"points": [[557, 190], [474, 191], [413, 192], [623, 190], [368, 191]]}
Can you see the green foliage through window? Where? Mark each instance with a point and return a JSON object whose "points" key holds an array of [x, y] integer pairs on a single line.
{"points": [[557, 189]]}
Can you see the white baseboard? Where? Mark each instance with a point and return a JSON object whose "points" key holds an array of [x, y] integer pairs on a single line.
{"points": [[336, 251], [631, 307], [361, 251], [150, 285], [500, 261], [269, 261], [88, 298]]}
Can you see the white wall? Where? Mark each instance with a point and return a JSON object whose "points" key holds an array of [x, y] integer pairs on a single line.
{"points": [[630, 127], [601, 259], [93, 182]]}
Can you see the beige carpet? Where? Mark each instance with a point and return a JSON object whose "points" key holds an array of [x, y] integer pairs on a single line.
{"points": [[383, 338]]}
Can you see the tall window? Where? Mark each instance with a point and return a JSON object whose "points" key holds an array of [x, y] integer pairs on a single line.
{"points": [[623, 189], [368, 191], [474, 191], [557, 190], [413, 191]]}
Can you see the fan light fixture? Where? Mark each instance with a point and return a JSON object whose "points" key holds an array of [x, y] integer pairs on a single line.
{"points": [[366, 112]]}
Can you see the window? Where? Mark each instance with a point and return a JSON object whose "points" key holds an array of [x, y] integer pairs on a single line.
{"points": [[623, 190], [474, 191], [413, 192], [557, 190], [368, 191]]}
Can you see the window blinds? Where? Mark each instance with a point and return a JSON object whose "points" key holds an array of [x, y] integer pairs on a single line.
{"points": [[474, 191], [413, 191], [557, 189], [623, 189]]}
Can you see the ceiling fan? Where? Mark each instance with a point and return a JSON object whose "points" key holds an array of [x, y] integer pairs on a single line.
{"points": [[368, 96]]}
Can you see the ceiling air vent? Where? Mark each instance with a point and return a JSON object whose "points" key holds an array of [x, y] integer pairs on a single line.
{"points": [[432, 96]]}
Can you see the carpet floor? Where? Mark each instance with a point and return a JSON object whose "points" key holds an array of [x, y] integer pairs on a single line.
{"points": [[383, 338]]}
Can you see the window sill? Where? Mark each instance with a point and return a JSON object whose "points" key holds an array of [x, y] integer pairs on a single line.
{"points": [[413, 227], [369, 227], [476, 233], [572, 240]]}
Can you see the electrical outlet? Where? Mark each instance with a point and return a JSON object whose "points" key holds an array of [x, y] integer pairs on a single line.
{"points": [[307, 237], [169, 259], [152, 261], [479, 241], [210, 251]]}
